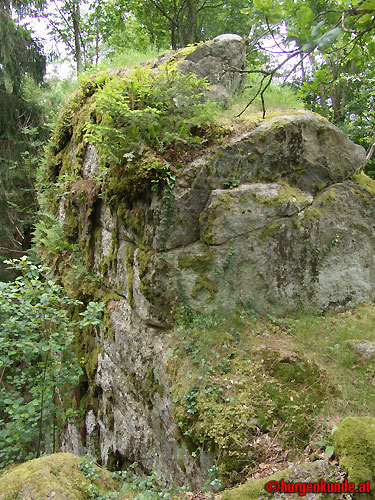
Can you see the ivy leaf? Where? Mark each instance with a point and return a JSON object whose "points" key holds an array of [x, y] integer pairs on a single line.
{"points": [[307, 46], [321, 443], [368, 4]]}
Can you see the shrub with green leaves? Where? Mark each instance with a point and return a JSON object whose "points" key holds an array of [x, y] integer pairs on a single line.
{"points": [[37, 363]]}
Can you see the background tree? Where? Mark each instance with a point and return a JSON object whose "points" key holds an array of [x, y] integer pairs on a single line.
{"points": [[21, 62], [331, 44], [37, 364], [189, 21]]}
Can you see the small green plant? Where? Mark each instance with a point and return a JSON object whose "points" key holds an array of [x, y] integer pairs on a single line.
{"points": [[146, 487], [37, 363], [327, 444], [328, 448], [227, 388], [229, 260], [88, 468], [49, 234], [231, 183], [213, 481], [321, 254]]}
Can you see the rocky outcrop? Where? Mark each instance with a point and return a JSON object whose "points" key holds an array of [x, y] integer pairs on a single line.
{"points": [[275, 219], [272, 219]]}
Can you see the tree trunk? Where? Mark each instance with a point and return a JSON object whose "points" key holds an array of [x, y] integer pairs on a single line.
{"points": [[191, 19], [335, 90], [173, 37], [322, 94], [350, 70], [76, 18]]}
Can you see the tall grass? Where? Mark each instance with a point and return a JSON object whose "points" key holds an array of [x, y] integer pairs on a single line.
{"points": [[133, 57], [277, 98]]}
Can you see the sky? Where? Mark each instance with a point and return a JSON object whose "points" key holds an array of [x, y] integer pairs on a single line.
{"points": [[63, 66]]}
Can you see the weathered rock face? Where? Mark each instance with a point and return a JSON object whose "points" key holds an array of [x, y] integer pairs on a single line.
{"points": [[219, 61], [273, 220]]}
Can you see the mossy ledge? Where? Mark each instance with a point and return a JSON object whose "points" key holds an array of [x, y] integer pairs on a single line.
{"points": [[354, 443], [53, 476]]}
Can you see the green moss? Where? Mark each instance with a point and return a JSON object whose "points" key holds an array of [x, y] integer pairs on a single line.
{"points": [[354, 443], [84, 115], [204, 284], [57, 473], [225, 200], [286, 194], [146, 387], [254, 489], [310, 215], [129, 182], [108, 297], [289, 194], [364, 181], [328, 196], [71, 223], [201, 265], [360, 193], [91, 361], [76, 111], [77, 280], [178, 56], [225, 389], [198, 263], [109, 263], [133, 219], [143, 260], [153, 385], [207, 233], [269, 231]]}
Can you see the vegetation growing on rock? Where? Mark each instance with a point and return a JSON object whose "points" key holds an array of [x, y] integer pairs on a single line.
{"points": [[354, 443], [230, 388], [53, 476]]}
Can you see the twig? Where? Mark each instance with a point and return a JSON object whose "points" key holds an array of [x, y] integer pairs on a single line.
{"points": [[369, 154]]}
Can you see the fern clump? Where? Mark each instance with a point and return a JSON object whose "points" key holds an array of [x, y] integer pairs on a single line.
{"points": [[148, 109], [144, 121]]}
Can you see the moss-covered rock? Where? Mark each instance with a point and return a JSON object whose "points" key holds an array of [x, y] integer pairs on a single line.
{"points": [[167, 216], [354, 442], [52, 476]]}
